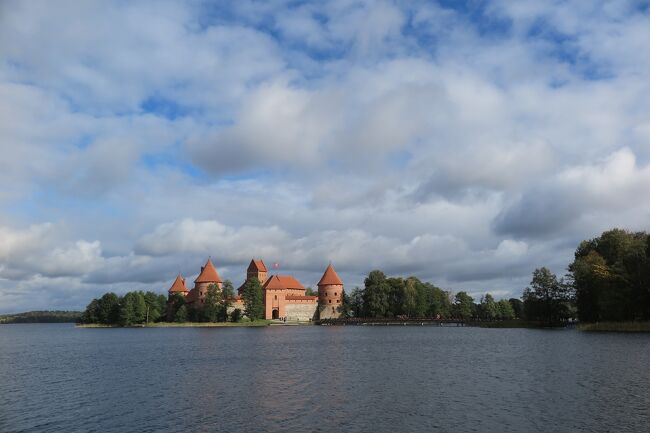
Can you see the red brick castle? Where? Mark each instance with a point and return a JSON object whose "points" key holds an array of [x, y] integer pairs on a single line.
{"points": [[284, 296]]}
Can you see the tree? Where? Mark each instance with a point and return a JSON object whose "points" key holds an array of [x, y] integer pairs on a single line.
{"points": [[376, 295], [310, 292], [181, 314], [253, 299], [517, 307], [155, 305], [90, 314], [235, 316], [505, 310], [487, 309], [132, 309], [109, 309], [611, 277], [440, 305], [344, 308], [547, 299], [463, 307], [227, 296], [408, 297], [175, 302], [210, 311], [356, 303]]}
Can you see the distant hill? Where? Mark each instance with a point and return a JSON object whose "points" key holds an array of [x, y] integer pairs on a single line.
{"points": [[41, 317]]}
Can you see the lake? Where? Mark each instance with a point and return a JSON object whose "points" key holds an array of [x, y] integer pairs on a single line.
{"points": [[56, 378]]}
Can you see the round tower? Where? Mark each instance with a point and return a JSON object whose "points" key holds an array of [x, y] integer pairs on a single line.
{"points": [[206, 278], [330, 294]]}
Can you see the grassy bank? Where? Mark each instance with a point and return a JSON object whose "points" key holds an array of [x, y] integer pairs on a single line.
{"points": [[615, 327], [243, 323]]}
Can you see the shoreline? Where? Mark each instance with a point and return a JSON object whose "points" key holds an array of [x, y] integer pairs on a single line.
{"points": [[615, 327], [243, 324]]}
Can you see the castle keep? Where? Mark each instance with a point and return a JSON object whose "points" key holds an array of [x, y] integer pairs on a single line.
{"points": [[284, 296]]}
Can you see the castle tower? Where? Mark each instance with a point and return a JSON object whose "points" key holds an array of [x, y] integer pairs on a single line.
{"points": [[178, 287], [330, 294], [257, 269], [207, 277]]}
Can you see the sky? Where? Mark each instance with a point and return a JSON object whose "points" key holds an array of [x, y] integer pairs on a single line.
{"points": [[465, 143]]}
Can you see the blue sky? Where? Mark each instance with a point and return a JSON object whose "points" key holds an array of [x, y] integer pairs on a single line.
{"points": [[464, 143]]}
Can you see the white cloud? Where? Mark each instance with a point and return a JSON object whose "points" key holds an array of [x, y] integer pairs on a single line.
{"points": [[138, 138]]}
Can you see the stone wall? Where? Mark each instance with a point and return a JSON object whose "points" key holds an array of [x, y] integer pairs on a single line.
{"points": [[303, 312], [234, 306], [329, 311]]}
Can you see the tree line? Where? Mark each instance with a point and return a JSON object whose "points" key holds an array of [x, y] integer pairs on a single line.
{"points": [[55, 316], [608, 280], [384, 296], [610, 277], [133, 308]]}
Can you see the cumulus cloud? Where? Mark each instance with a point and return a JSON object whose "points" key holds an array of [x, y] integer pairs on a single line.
{"points": [[559, 203], [464, 146]]}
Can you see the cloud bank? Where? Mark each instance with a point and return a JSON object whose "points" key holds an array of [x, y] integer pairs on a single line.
{"points": [[463, 144]]}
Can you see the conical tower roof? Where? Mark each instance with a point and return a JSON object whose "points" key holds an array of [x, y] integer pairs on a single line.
{"points": [[330, 277], [208, 274], [178, 286]]}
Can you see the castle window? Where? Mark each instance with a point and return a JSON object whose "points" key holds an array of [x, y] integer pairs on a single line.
{"points": [[334, 293], [330, 301], [338, 301], [276, 297]]}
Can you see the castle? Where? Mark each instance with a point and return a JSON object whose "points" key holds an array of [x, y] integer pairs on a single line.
{"points": [[284, 296]]}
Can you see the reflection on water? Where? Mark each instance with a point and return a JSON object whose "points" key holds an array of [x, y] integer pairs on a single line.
{"points": [[56, 378]]}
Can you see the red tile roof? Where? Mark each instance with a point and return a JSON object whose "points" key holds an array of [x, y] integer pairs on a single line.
{"points": [[283, 282], [257, 265], [178, 286], [330, 277], [208, 274]]}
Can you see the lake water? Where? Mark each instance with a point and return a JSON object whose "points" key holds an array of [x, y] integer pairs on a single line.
{"points": [[56, 378]]}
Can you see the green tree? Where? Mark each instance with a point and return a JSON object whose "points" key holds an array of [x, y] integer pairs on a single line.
{"points": [[227, 296], [155, 306], [409, 297], [181, 314], [356, 303], [440, 304], [376, 295], [132, 309], [235, 316], [90, 314], [210, 312], [253, 299], [463, 307], [517, 307], [108, 309], [547, 299], [611, 277], [505, 310], [310, 292], [175, 302], [344, 309], [487, 308]]}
